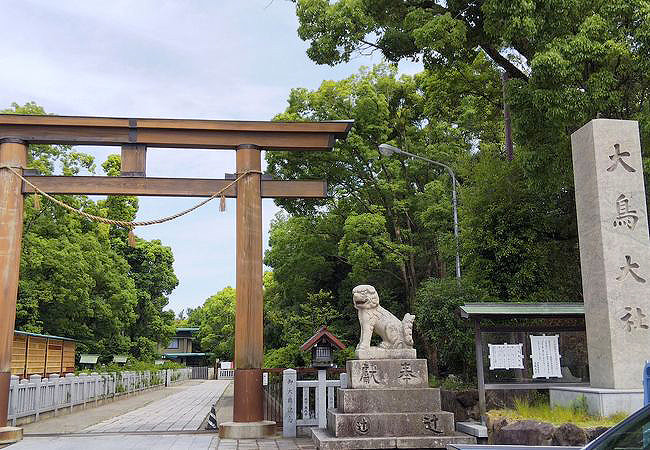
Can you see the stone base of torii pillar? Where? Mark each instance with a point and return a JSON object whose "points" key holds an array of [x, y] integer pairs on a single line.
{"points": [[247, 430], [248, 412], [10, 435]]}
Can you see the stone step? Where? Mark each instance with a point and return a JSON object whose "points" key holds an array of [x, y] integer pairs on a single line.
{"points": [[387, 373], [324, 440], [430, 423], [394, 400]]}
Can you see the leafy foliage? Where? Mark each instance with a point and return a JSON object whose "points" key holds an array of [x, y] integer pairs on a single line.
{"points": [[216, 320], [436, 315], [389, 220]]}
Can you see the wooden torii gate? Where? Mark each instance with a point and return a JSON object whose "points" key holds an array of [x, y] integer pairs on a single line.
{"points": [[134, 136]]}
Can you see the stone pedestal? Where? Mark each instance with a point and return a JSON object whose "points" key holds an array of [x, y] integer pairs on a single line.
{"points": [[247, 430], [10, 435], [600, 402], [389, 405]]}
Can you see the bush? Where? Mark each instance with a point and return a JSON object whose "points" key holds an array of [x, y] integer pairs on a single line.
{"points": [[132, 365], [288, 356], [448, 339]]}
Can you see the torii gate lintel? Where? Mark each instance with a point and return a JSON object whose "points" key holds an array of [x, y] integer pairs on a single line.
{"points": [[135, 136]]}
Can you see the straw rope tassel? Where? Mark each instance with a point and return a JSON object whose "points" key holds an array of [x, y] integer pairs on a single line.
{"points": [[131, 238], [37, 201], [222, 203]]}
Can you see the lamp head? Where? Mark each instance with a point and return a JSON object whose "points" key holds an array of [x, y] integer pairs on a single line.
{"points": [[387, 150]]}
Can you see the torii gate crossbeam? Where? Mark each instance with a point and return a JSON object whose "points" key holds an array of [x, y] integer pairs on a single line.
{"points": [[134, 136]]}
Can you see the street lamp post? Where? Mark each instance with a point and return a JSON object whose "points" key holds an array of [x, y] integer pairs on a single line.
{"points": [[387, 150]]}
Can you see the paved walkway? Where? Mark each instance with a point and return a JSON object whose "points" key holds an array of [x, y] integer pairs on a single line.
{"points": [[82, 418], [169, 422], [183, 411], [156, 441]]}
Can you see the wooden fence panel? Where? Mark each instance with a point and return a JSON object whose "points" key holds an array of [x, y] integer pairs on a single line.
{"points": [[36, 348], [18, 355], [69, 348], [54, 356]]}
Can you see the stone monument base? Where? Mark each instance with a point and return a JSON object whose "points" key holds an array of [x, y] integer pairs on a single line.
{"points": [[325, 441], [10, 435], [602, 402], [388, 404], [246, 430]]}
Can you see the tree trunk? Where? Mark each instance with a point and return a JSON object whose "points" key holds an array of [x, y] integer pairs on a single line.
{"points": [[430, 352]]}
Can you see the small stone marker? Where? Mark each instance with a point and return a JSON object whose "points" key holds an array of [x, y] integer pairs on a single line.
{"points": [[614, 250]]}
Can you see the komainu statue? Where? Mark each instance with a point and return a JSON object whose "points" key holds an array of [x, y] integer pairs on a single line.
{"points": [[396, 335]]}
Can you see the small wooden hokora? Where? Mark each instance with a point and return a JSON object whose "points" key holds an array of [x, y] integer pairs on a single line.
{"points": [[396, 335]]}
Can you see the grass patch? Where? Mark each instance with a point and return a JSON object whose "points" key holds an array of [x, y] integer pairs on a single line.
{"points": [[451, 383], [576, 414]]}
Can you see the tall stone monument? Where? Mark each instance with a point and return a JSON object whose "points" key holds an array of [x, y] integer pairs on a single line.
{"points": [[389, 403], [615, 263]]}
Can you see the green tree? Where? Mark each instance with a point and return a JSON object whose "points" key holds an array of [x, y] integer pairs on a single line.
{"points": [[151, 269], [568, 62], [288, 326], [216, 320], [389, 220], [436, 314]]}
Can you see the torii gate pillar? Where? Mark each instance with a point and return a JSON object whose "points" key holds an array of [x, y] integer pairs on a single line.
{"points": [[13, 153], [249, 339]]}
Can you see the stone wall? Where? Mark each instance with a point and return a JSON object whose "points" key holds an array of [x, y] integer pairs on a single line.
{"points": [[464, 404], [503, 431]]}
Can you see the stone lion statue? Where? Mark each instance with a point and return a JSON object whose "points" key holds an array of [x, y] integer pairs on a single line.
{"points": [[396, 335]]}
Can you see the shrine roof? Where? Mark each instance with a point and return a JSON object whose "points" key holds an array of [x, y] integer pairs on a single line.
{"points": [[323, 331], [175, 133], [522, 310], [88, 358]]}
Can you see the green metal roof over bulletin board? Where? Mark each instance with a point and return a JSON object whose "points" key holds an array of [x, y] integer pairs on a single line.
{"points": [[512, 310]]}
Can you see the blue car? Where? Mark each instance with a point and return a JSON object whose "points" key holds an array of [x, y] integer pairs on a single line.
{"points": [[631, 433]]}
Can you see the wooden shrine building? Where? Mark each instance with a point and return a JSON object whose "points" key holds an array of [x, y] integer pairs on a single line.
{"points": [[42, 354], [136, 137]]}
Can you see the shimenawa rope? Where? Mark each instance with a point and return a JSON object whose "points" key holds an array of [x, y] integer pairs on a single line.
{"points": [[131, 225]]}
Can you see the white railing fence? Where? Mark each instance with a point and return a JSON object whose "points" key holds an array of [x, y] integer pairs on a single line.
{"points": [[312, 413], [37, 395], [226, 374]]}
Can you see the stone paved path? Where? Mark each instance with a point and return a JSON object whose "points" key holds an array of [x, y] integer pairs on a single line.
{"points": [[158, 441], [169, 423], [81, 418], [183, 411]]}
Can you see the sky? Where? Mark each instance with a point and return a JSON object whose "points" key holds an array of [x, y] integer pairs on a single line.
{"points": [[185, 59]]}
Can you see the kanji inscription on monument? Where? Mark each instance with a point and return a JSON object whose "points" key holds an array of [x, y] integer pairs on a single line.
{"points": [[614, 250]]}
